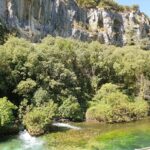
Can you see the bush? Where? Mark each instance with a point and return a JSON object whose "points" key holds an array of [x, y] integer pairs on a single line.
{"points": [[107, 4], [110, 105], [70, 109], [135, 7], [110, 4], [39, 118], [41, 96], [6, 112], [87, 3], [26, 87], [140, 109], [100, 113], [144, 44]]}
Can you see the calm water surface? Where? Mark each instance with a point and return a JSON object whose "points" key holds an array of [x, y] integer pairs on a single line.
{"points": [[91, 136]]}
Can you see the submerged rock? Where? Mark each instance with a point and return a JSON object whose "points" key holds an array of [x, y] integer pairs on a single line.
{"points": [[34, 19]]}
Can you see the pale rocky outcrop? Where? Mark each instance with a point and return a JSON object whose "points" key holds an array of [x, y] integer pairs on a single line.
{"points": [[34, 19]]}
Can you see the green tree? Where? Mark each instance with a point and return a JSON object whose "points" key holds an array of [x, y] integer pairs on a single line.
{"points": [[131, 66], [70, 109], [26, 87], [40, 96], [111, 105], [40, 118], [6, 112], [70, 73]]}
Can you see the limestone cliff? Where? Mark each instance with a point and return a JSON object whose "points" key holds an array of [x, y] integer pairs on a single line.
{"points": [[34, 19]]}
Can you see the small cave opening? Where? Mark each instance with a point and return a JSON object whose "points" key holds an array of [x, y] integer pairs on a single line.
{"points": [[116, 26], [117, 30], [100, 23], [147, 31]]}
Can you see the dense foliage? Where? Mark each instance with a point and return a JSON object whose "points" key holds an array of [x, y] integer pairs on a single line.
{"points": [[111, 105], [39, 118], [70, 74], [6, 112], [70, 109]]}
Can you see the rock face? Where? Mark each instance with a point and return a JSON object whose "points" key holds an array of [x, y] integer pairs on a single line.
{"points": [[34, 19]]}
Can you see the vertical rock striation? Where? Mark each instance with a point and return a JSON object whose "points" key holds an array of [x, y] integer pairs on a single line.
{"points": [[34, 19]]}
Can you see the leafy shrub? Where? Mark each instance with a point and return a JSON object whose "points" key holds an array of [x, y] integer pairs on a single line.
{"points": [[140, 109], [70, 109], [6, 112], [40, 96], [110, 4], [110, 105], [135, 7], [144, 44], [39, 118], [100, 112], [26, 87], [106, 4], [87, 3], [24, 107]]}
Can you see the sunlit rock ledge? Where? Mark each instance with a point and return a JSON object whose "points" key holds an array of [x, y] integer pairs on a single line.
{"points": [[34, 19]]}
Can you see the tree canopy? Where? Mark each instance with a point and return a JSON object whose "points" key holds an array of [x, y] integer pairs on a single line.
{"points": [[72, 74]]}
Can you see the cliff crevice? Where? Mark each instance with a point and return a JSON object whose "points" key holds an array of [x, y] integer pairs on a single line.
{"points": [[34, 19]]}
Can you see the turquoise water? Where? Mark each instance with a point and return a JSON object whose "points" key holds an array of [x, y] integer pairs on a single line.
{"points": [[10, 143], [91, 136], [22, 141]]}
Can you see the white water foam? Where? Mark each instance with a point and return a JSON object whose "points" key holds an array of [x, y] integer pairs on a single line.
{"points": [[146, 148], [65, 125], [29, 142]]}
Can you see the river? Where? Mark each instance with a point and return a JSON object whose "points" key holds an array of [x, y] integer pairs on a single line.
{"points": [[84, 136]]}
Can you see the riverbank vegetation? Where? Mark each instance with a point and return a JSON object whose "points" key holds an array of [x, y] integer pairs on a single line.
{"points": [[111, 105], [68, 79], [7, 120]]}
